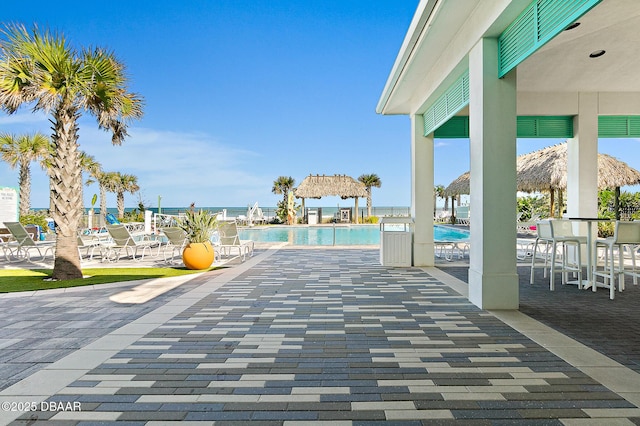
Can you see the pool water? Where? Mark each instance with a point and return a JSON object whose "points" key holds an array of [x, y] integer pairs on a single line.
{"points": [[447, 233], [346, 235]]}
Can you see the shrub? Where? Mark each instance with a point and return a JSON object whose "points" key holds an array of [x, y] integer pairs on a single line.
{"points": [[371, 219], [35, 218]]}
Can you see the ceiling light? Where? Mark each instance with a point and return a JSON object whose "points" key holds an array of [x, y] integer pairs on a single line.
{"points": [[597, 53], [572, 26]]}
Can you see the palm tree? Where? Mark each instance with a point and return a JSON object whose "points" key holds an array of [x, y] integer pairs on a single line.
{"points": [[105, 181], [20, 151], [43, 70], [370, 181], [119, 183], [438, 192], [89, 165], [283, 185]]}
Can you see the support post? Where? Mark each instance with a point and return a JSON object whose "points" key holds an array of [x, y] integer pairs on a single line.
{"points": [[582, 160], [422, 204], [493, 278]]}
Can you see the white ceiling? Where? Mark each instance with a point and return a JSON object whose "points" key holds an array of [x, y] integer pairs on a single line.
{"points": [[564, 65], [444, 30]]}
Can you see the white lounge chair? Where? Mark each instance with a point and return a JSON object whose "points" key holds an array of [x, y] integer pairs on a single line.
{"points": [[122, 239], [527, 226], [462, 215], [23, 244], [89, 244], [176, 241], [230, 240]]}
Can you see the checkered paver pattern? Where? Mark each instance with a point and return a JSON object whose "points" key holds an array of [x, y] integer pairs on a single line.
{"points": [[612, 327], [37, 330], [330, 335]]}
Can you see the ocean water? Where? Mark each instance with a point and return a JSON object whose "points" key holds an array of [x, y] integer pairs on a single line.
{"points": [[270, 211]]}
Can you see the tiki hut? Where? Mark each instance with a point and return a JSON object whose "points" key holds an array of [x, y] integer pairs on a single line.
{"points": [[319, 186], [546, 170]]}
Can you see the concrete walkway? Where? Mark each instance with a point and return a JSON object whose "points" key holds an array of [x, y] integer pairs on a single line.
{"points": [[300, 336]]}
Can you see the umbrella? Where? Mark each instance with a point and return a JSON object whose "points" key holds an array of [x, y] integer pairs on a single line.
{"points": [[546, 170]]}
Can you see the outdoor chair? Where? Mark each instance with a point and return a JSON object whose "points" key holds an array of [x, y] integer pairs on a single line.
{"points": [[463, 215], [122, 239], [625, 239], [230, 240], [526, 226], [88, 243], [558, 234], [543, 237], [23, 244], [176, 241]]}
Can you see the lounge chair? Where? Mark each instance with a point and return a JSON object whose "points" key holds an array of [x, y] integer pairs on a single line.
{"points": [[111, 219], [23, 244], [463, 215], [89, 243], [122, 239], [527, 226], [230, 240], [177, 240], [449, 249]]}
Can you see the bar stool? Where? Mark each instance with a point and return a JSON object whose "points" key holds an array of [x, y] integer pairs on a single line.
{"points": [[558, 233], [625, 235], [544, 236]]}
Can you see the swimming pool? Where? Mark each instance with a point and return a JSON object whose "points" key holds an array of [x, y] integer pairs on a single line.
{"points": [[343, 235]]}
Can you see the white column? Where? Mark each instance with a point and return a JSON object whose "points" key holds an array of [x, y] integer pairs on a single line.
{"points": [[422, 203], [493, 279], [582, 159], [147, 221]]}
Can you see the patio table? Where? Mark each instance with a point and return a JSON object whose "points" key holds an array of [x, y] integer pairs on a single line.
{"points": [[591, 252]]}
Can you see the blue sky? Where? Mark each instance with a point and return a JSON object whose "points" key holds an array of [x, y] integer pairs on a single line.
{"points": [[240, 92]]}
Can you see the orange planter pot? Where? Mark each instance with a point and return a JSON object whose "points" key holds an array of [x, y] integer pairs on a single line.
{"points": [[198, 255]]}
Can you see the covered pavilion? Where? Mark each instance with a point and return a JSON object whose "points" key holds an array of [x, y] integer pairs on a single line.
{"points": [[545, 170], [343, 186], [493, 71]]}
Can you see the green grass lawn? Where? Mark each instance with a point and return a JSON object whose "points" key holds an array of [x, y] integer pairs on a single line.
{"points": [[12, 280]]}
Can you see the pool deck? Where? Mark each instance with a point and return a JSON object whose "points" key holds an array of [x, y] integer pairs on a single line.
{"points": [[313, 336]]}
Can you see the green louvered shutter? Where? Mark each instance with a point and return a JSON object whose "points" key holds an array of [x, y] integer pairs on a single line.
{"points": [[448, 104], [618, 126], [541, 21]]}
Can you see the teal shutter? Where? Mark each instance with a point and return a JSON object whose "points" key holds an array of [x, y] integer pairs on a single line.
{"points": [[541, 21], [545, 127], [528, 127], [618, 126], [448, 104]]}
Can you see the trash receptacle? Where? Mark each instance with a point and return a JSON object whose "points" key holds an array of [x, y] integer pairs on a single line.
{"points": [[396, 241], [312, 217]]}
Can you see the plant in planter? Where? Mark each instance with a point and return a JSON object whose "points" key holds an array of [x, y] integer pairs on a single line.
{"points": [[198, 225]]}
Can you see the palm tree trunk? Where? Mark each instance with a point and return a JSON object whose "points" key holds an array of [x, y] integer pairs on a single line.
{"points": [[560, 203], [120, 203], [25, 188], [66, 183], [103, 204]]}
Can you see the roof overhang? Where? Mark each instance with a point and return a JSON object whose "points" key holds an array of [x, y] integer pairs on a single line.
{"points": [[435, 53]]}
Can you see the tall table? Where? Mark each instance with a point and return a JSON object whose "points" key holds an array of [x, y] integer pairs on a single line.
{"points": [[591, 252]]}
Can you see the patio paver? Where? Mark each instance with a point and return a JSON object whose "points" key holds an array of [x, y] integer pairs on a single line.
{"points": [[317, 335]]}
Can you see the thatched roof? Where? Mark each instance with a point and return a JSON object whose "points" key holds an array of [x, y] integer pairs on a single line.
{"points": [[546, 169], [319, 186], [459, 186]]}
